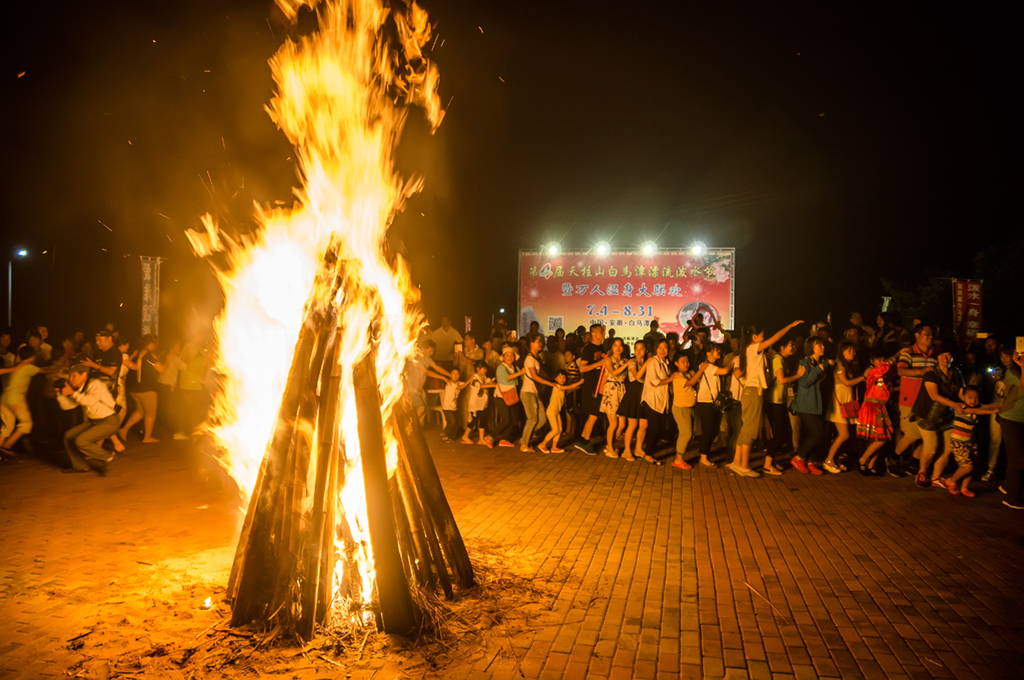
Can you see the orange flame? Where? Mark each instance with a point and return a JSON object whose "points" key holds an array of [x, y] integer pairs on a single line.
{"points": [[342, 96]]}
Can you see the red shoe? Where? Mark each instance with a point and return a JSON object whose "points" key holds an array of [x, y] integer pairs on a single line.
{"points": [[967, 493], [953, 489], [506, 445], [814, 469], [939, 481], [801, 465], [682, 465], [922, 480]]}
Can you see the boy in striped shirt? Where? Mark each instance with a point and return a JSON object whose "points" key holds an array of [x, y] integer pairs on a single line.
{"points": [[965, 447]]}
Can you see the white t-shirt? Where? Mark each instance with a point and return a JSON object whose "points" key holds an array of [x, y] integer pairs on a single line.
{"points": [[444, 343], [755, 369], [450, 398], [655, 397], [477, 396], [528, 384], [708, 385]]}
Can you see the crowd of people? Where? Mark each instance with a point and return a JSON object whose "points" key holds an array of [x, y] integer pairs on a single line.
{"points": [[92, 394], [880, 399], [877, 400]]}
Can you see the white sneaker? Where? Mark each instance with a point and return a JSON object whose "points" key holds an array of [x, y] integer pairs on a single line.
{"points": [[771, 470]]}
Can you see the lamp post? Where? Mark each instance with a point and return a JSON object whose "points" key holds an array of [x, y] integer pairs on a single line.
{"points": [[21, 253]]}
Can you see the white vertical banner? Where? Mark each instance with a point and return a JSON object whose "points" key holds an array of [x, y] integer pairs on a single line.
{"points": [[150, 295]]}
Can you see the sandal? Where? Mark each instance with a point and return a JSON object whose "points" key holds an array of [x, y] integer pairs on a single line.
{"points": [[967, 493], [939, 481], [628, 456], [652, 461], [611, 453], [707, 463], [681, 464], [465, 441], [953, 489]]}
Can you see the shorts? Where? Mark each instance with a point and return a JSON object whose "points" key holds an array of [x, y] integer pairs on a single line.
{"points": [[908, 427], [145, 403], [751, 407], [964, 453], [15, 413], [589, 402]]}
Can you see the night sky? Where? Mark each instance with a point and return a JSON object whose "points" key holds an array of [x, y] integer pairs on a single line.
{"points": [[830, 143]]}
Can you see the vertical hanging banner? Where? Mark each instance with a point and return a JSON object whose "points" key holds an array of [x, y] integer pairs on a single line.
{"points": [[966, 309], [626, 290], [469, 324], [150, 295]]}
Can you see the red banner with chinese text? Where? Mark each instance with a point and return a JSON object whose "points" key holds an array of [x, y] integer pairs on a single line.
{"points": [[966, 309], [626, 290]]}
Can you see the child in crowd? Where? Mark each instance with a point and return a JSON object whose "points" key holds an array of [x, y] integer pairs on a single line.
{"points": [[572, 375], [873, 422], [478, 398], [965, 447], [554, 411], [449, 404]]}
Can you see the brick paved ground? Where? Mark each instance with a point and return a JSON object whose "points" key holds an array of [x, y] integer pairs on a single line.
{"points": [[653, 572]]}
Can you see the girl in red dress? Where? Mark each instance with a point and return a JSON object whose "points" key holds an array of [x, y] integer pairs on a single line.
{"points": [[873, 422]]}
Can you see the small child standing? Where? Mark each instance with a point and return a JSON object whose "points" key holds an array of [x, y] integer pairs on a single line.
{"points": [[449, 404], [16, 417], [554, 412], [965, 447], [478, 398], [572, 375]]}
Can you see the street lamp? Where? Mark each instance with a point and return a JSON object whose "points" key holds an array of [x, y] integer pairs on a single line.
{"points": [[603, 249], [649, 248], [21, 253], [553, 250]]}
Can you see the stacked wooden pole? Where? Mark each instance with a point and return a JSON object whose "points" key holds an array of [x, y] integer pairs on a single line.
{"points": [[287, 555]]}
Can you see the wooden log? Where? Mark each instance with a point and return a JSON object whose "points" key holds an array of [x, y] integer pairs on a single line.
{"points": [[429, 531], [431, 492], [255, 559], [319, 540], [396, 605], [405, 543], [414, 516]]}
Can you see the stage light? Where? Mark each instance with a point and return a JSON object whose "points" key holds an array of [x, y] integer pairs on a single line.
{"points": [[553, 250], [501, 311], [649, 248], [698, 249], [22, 253], [603, 248]]}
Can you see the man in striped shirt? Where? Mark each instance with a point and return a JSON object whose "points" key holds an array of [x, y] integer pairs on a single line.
{"points": [[912, 364]]}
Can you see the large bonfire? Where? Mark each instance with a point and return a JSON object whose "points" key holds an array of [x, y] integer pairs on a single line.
{"points": [[323, 265]]}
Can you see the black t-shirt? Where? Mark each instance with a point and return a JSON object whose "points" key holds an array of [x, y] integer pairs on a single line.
{"points": [[592, 354], [110, 357], [148, 383]]}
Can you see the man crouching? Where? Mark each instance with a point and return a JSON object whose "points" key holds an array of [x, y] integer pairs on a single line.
{"points": [[101, 422]]}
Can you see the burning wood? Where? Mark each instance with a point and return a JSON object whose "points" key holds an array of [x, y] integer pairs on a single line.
{"points": [[346, 511]]}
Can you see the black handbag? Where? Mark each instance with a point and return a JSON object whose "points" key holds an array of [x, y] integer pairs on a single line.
{"points": [[724, 401]]}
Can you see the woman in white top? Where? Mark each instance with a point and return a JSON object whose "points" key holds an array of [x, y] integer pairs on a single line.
{"points": [[707, 413], [532, 405], [754, 382], [613, 390], [654, 400]]}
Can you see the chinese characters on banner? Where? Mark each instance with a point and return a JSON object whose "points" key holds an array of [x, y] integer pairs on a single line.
{"points": [[150, 295], [966, 309], [625, 291]]}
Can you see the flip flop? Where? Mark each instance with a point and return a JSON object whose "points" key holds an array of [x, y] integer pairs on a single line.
{"points": [[652, 461], [682, 465]]}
